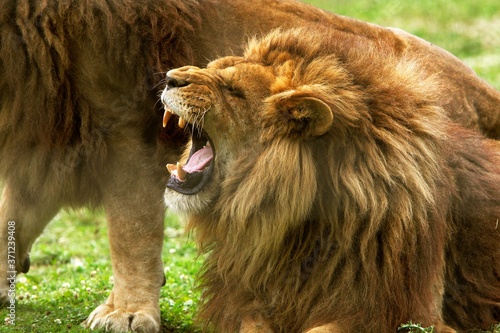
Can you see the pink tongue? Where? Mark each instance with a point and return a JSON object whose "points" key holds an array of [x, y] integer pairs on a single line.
{"points": [[200, 160]]}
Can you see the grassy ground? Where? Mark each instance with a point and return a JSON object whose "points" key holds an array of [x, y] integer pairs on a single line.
{"points": [[71, 273]]}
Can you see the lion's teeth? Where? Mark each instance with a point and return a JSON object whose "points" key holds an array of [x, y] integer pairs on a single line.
{"points": [[171, 167], [182, 122], [181, 174], [168, 114], [177, 170], [166, 117]]}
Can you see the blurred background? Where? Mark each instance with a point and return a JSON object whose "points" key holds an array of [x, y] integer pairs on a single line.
{"points": [[468, 29]]}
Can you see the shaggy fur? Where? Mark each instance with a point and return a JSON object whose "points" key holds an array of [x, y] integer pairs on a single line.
{"points": [[80, 122], [59, 107], [384, 213]]}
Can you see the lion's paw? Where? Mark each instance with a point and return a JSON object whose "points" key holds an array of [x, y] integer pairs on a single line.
{"points": [[117, 320]]}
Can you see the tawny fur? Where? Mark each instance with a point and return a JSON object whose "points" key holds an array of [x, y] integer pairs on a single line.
{"points": [[74, 75], [390, 216], [80, 122]]}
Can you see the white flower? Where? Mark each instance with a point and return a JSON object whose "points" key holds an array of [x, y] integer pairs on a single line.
{"points": [[77, 262]]}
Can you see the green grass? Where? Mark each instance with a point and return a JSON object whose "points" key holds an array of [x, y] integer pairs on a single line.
{"points": [[71, 274], [468, 29], [417, 328]]}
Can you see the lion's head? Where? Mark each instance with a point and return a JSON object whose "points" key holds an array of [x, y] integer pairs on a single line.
{"points": [[233, 107], [258, 122], [322, 176]]}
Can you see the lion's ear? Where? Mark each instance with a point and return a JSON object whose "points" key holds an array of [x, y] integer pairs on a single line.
{"points": [[301, 114]]}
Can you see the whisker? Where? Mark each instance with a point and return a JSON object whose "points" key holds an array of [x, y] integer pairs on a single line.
{"points": [[162, 82], [155, 106], [197, 120], [201, 119], [160, 73]]}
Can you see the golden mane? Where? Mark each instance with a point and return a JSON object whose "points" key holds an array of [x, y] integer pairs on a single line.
{"points": [[80, 119], [38, 59], [353, 226], [163, 28], [69, 58]]}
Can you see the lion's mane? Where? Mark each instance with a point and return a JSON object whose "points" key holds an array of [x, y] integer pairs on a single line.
{"points": [[79, 119], [71, 71], [355, 225], [74, 73]]}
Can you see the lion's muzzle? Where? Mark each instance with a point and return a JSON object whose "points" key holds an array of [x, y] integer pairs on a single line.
{"points": [[191, 177]]}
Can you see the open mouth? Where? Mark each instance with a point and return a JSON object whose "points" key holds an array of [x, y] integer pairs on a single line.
{"points": [[191, 177]]}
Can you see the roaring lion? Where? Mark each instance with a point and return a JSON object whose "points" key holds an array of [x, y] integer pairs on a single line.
{"points": [[80, 122], [331, 192]]}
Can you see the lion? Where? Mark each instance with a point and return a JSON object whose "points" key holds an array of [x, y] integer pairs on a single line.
{"points": [[80, 120], [331, 193]]}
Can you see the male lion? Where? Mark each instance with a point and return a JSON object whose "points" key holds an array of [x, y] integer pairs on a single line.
{"points": [[80, 122], [332, 194]]}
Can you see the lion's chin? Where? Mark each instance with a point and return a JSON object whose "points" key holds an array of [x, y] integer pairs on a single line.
{"points": [[189, 204], [191, 187]]}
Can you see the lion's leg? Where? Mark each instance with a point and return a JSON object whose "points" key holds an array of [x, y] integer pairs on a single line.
{"points": [[22, 220], [135, 213]]}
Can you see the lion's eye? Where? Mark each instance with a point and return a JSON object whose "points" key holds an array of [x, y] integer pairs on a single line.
{"points": [[233, 91]]}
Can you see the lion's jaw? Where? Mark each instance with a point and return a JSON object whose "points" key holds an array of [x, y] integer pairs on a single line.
{"points": [[193, 174], [217, 139]]}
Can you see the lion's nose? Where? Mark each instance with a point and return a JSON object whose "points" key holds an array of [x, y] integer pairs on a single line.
{"points": [[174, 81]]}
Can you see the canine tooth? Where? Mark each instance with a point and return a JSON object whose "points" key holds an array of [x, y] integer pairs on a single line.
{"points": [[166, 117], [181, 174], [182, 122], [171, 167]]}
